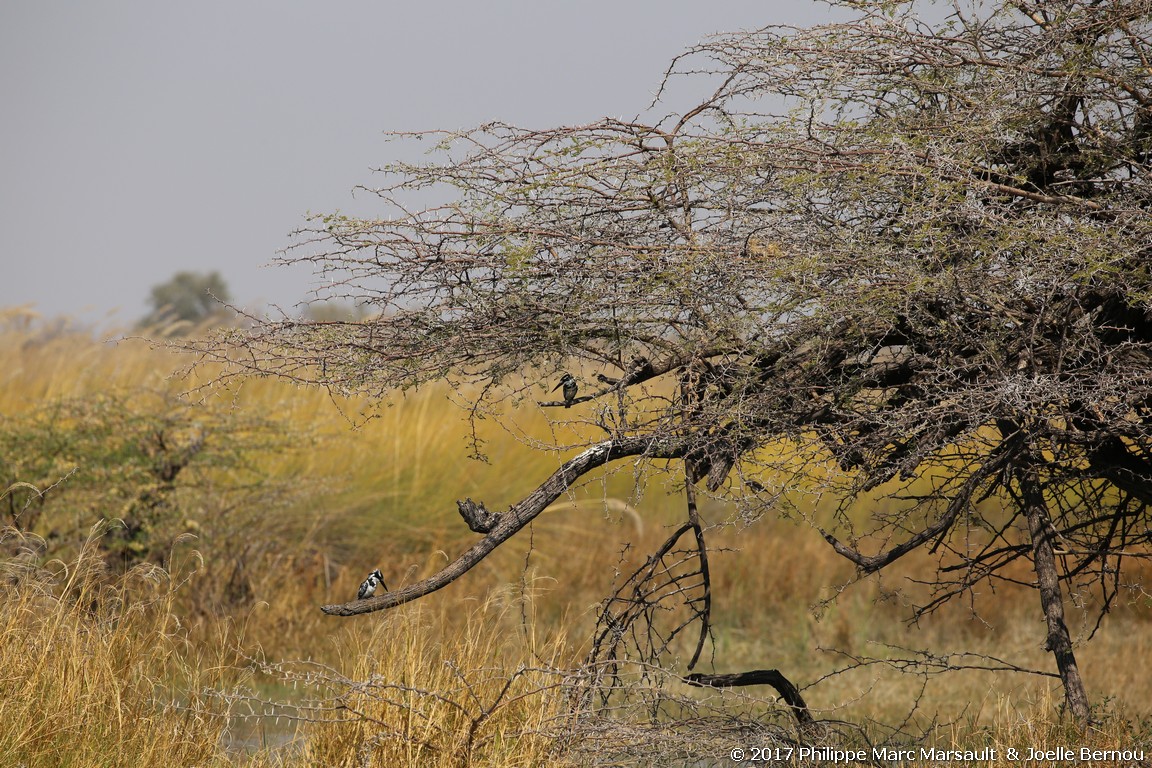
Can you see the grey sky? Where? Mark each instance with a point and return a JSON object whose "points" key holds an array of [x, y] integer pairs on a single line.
{"points": [[139, 138]]}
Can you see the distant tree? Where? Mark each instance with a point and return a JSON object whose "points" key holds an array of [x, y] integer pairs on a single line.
{"points": [[881, 256], [189, 298]]}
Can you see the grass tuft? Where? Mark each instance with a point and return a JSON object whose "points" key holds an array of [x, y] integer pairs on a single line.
{"points": [[89, 666]]}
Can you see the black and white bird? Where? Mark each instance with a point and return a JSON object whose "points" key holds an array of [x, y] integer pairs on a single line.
{"points": [[568, 381], [368, 588]]}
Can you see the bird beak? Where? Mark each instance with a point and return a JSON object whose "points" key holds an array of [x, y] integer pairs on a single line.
{"points": [[557, 386]]}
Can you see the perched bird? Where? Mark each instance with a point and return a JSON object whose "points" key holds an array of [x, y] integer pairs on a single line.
{"points": [[568, 381], [368, 588]]}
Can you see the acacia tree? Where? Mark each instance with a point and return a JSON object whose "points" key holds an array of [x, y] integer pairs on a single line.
{"points": [[899, 248]]}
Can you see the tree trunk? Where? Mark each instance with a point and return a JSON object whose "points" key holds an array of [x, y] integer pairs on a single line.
{"points": [[1059, 642]]}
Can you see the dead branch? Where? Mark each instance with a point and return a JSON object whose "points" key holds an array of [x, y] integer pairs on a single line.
{"points": [[771, 677], [518, 516]]}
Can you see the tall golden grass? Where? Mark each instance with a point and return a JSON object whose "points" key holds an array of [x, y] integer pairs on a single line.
{"points": [[469, 676], [97, 672]]}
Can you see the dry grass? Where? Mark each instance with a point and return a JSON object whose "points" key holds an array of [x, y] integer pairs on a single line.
{"points": [[91, 666], [471, 685], [469, 676]]}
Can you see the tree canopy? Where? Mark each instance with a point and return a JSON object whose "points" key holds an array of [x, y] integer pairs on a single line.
{"points": [[189, 298], [888, 245]]}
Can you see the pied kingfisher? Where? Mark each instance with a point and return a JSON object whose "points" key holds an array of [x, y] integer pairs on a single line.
{"points": [[368, 588], [568, 381]]}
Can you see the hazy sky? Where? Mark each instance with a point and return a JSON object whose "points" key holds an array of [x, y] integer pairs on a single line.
{"points": [[140, 138]]}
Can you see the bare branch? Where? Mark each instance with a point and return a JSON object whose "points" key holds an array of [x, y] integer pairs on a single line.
{"points": [[518, 516]]}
